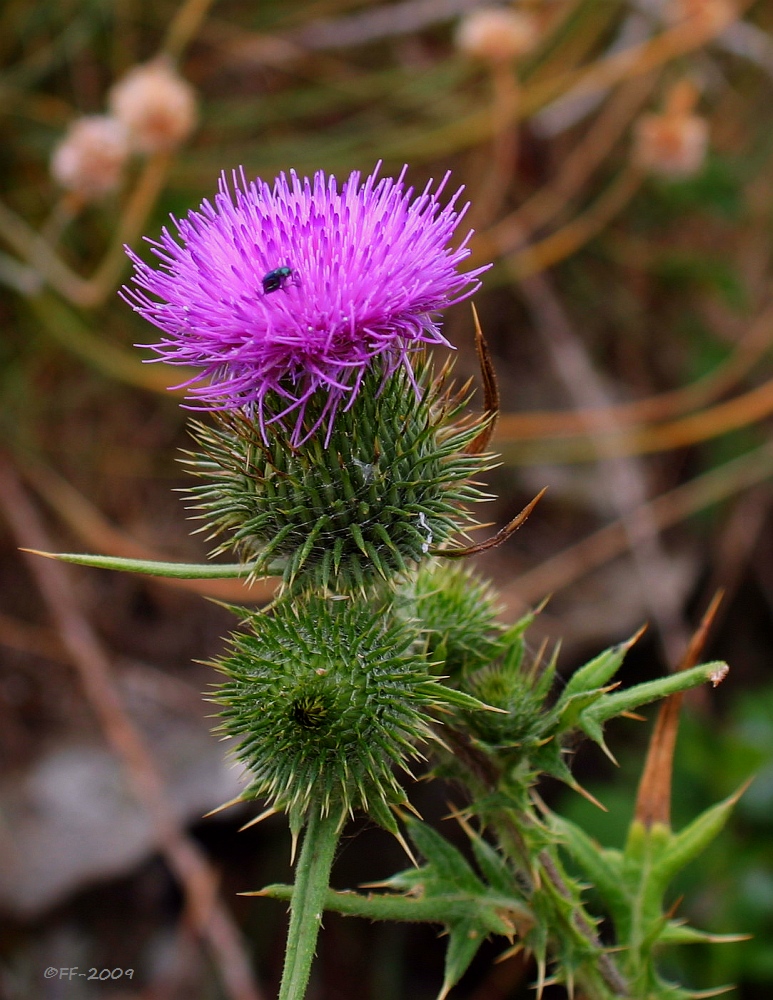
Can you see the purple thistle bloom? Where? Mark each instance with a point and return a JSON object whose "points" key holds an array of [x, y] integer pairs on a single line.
{"points": [[287, 290]]}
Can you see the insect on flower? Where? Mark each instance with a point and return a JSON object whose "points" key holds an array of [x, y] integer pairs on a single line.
{"points": [[276, 279]]}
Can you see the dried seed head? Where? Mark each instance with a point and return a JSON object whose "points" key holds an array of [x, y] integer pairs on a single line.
{"points": [[495, 34], [90, 158], [673, 143], [682, 98], [156, 105], [706, 15]]}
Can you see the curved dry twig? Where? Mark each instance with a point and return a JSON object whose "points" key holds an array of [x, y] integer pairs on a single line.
{"points": [[490, 391], [501, 536]]}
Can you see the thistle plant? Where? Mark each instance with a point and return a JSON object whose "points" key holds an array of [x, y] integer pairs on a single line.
{"points": [[335, 456]]}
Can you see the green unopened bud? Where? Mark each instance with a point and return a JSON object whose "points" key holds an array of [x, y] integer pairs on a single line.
{"points": [[325, 697], [458, 615], [513, 691], [385, 491]]}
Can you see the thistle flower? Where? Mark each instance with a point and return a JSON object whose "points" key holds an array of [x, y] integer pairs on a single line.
{"points": [[278, 292]]}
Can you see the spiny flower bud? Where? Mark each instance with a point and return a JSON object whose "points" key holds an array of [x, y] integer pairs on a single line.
{"points": [[156, 105], [495, 34], [89, 160], [673, 143], [387, 488], [516, 682], [516, 691], [457, 613], [325, 697]]}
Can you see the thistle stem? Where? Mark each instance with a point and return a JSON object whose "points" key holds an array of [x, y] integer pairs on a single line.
{"points": [[312, 874]]}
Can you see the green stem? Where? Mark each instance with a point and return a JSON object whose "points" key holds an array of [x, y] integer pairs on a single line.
{"points": [[312, 875]]}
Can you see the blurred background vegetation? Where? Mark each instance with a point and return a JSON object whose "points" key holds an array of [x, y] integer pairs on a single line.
{"points": [[618, 157]]}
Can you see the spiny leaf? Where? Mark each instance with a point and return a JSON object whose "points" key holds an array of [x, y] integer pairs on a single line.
{"points": [[599, 671], [464, 940], [678, 933], [471, 911], [491, 864], [686, 845], [149, 567], [568, 711], [604, 867], [446, 865], [641, 694]]}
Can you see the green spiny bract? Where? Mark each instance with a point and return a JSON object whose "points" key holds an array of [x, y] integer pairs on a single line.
{"points": [[325, 696], [389, 486]]}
